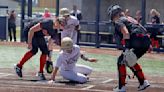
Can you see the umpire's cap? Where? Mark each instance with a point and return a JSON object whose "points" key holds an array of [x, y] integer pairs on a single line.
{"points": [[114, 10], [66, 43], [64, 12]]}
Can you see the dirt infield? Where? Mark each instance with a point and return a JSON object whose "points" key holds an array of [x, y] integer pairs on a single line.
{"points": [[98, 82]]}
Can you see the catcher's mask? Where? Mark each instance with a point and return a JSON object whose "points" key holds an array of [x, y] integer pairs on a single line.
{"points": [[114, 10], [66, 43]]}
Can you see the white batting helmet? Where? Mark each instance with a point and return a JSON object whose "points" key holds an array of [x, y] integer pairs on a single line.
{"points": [[64, 12], [66, 43]]}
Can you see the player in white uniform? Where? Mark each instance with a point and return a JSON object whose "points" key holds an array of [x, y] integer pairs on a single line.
{"points": [[66, 63], [70, 25]]}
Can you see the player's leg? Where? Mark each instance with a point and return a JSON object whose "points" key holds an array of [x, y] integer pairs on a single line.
{"points": [[136, 69], [73, 76], [83, 69], [14, 32], [9, 30], [44, 49], [26, 57], [121, 75]]}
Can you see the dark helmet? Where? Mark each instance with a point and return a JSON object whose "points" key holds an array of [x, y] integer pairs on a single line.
{"points": [[114, 10]]}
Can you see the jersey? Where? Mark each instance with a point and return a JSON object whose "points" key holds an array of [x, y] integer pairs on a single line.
{"points": [[46, 24], [67, 61], [27, 27], [69, 29], [131, 24]]}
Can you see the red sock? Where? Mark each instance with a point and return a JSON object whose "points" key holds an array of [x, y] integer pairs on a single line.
{"points": [[122, 75], [138, 72], [26, 57], [42, 62]]}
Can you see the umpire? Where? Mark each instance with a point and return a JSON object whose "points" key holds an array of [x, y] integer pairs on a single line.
{"points": [[36, 40], [137, 42]]}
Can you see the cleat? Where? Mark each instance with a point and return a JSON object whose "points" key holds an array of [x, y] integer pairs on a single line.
{"points": [[18, 70], [144, 85], [116, 89], [41, 76]]}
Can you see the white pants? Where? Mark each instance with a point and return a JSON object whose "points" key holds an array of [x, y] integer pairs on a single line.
{"points": [[71, 34], [78, 74]]}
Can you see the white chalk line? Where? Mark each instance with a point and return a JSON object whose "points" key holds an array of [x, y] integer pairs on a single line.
{"points": [[107, 81], [5, 74]]}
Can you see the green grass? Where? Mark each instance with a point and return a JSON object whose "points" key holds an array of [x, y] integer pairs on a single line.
{"points": [[107, 63]]}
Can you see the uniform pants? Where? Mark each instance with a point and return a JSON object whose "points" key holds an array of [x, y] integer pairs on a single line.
{"points": [[78, 74]]}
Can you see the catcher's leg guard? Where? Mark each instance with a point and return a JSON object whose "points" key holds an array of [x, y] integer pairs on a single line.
{"points": [[121, 72], [122, 75], [136, 69]]}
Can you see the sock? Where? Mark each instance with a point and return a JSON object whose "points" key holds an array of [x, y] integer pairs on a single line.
{"points": [[122, 75], [42, 62], [138, 72], [26, 57]]}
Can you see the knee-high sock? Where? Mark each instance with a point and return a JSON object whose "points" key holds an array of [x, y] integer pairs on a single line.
{"points": [[136, 69], [42, 62], [122, 75], [26, 57]]}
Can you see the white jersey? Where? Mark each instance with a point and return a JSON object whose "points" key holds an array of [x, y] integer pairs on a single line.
{"points": [[67, 61], [69, 29]]}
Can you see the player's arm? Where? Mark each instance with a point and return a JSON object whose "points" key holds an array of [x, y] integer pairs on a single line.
{"points": [[50, 43], [88, 59], [33, 29], [126, 36], [54, 73]]}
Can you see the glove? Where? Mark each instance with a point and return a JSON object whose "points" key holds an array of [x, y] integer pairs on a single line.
{"points": [[130, 57], [49, 67]]}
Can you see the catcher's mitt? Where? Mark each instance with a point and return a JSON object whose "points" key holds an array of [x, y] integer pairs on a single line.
{"points": [[130, 57], [49, 67]]}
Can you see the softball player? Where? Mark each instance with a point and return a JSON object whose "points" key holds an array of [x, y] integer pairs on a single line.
{"points": [[70, 25], [66, 63], [36, 40], [136, 45]]}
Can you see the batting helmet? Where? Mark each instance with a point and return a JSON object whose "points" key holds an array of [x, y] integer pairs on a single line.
{"points": [[114, 10], [66, 43], [64, 12]]}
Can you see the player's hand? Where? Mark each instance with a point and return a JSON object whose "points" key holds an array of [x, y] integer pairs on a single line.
{"points": [[51, 81], [29, 46], [92, 60]]}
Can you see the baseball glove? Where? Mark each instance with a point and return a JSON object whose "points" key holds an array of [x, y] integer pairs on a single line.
{"points": [[130, 57], [49, 67]]}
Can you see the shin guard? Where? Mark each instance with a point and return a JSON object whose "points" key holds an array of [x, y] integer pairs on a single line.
{"points": [[122, 75], [136, 69]]}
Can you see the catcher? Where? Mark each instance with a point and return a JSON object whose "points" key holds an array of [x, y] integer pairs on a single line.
{"points": [[137, 42], [66, 63]]}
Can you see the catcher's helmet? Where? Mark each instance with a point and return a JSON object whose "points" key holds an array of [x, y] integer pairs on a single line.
{"points": [[64, 12], [114, 10], [66, 43]]}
